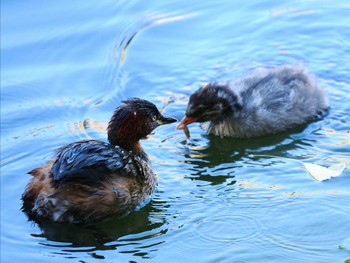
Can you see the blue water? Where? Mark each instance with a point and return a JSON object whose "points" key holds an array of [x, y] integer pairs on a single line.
{"points": [[65, 66]]}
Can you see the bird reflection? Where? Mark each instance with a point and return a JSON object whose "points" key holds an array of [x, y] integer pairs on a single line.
{"points": [[215, 159], [97, 236]]}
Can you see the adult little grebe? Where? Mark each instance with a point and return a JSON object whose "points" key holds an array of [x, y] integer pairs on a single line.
{"points": [[92, 180], [266, 101]]}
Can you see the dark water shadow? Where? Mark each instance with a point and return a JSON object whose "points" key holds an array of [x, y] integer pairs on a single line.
{"points": [[104, 235], [227, 153], [225, 150]]}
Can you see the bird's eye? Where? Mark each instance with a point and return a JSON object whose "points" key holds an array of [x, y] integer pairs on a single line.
{"points": [[154, 117], [218, 106]]}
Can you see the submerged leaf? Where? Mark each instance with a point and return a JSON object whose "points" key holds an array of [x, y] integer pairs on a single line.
{"points": [[330, 166], [321, 173]]}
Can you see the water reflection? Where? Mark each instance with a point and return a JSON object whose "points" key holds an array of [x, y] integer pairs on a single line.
{"points": [[112, 234], [220, 150], [213, 154], [215, 203], [125, 40]]}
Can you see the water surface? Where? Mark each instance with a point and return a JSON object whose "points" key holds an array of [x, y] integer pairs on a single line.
{"points": [[66, 66]]}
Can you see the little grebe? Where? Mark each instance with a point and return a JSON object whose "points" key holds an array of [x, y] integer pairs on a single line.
{"points": [[266, 101], [91, 180]]}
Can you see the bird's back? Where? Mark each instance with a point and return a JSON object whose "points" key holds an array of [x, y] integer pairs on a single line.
{"points": [[88, 181], [274, 100]]}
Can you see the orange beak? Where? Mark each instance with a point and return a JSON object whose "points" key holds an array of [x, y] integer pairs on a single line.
{"points": [[184, 122]]}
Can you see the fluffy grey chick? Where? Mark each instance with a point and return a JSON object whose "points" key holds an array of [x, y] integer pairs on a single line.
{"points": [[265, 101]]}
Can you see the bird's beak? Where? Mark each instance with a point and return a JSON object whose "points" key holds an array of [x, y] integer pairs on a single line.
{"points": [[165, 120], [185, 121]]}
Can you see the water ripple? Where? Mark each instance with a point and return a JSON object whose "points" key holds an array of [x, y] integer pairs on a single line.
{"points": [[242, 228], [64, 69], [132, 30]]}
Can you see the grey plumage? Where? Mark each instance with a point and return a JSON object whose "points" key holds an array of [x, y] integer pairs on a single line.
{"points": [[264, 101]]}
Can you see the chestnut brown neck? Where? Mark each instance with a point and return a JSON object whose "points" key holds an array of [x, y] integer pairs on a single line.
{"points": [[125, 130], [131, 146]]}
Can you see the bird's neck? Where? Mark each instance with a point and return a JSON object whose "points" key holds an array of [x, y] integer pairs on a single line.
{"points": [[125, 140], [134, 147], [125, 137]]}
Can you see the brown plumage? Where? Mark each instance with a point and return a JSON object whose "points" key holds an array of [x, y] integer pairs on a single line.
{"points": [[91, 180]]}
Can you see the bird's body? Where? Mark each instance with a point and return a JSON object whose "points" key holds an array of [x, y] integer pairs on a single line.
{"points": [[265, 101], [92, 180]]}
